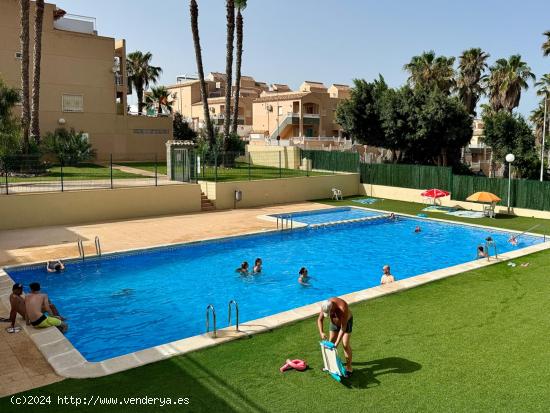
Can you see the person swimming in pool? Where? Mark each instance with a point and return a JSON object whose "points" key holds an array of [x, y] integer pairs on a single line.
{"points": [[304, 277], [55, 266], [481, 253], [40, 312], [386, 276], [257, 266], [418, 229], [513, 240], [243, 269]]}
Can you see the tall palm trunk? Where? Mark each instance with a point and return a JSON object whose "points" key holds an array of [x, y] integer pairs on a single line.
{"points": [[139, 93], [35, 115], [230, 7], [239, 54], [25, 113], [194, 11]]}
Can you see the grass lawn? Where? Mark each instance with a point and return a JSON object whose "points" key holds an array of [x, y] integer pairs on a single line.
{"points": [[76, 173], [413, 208], [474, 342], [238, 173]]}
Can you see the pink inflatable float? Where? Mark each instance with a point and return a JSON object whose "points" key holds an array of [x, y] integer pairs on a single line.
{"points": [[299, 365]]}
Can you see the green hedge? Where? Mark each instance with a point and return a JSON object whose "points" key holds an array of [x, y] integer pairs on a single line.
{"points": [[523, 193], [407, 176], [332, 160]]}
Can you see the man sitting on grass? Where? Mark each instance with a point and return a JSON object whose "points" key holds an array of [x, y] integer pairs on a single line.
{"points": [[341, 325], [37, 305]]}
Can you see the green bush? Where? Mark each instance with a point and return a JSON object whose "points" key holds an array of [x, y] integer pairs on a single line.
{"points": [[69, 147]]}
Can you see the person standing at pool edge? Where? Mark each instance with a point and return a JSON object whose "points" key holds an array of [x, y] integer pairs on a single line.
{"points": [[340, 327]]}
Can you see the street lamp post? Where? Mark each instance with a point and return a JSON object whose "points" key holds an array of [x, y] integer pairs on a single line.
{"points": [[543, 138], [510, 158]]}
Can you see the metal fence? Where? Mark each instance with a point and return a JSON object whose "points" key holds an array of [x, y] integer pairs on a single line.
{"points": [[33, 173], [192, 165]]}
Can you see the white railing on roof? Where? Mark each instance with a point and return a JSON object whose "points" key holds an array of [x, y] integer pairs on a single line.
{"points": [[76, 23]]}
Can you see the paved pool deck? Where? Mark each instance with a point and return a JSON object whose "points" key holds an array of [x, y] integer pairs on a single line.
{"points": [[23, 366]]}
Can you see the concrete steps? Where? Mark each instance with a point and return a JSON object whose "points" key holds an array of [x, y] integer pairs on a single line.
{"points": [[207, 204]]}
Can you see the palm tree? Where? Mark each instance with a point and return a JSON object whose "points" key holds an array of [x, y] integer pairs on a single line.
{"points": [[472, 63], [141, 73], [35, 115], [429, 70], [546, 44], [194, 11], [543, 85], [25, 112], [230, 15], [241, 5], [506, 81], [160, 98], [537, 119]]}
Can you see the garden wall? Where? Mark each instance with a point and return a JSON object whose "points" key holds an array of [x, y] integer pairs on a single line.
{"points": [[77, 207], [274, 156], [279, 191]]}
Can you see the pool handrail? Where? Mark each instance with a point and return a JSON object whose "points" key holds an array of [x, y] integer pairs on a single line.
{"points": [[210, 308], [97, 246], [80, 246], [236, 314]]}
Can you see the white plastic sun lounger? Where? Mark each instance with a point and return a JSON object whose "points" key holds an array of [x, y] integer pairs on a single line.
{"points": [[333, 363]]}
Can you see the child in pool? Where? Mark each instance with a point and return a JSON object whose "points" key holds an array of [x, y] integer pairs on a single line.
{"points": [[257, 266], [303, 276], [243, 269]]}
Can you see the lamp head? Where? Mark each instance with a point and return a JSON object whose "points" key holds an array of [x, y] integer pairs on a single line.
{"points": [[510, 158]]}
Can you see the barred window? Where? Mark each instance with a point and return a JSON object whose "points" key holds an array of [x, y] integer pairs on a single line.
{"points": [[72, 103]]}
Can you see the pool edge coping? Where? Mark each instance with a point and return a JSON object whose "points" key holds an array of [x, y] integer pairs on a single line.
{"points": [[68, 362]]}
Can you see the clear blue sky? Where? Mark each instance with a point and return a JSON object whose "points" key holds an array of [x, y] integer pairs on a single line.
{"points": [[288, 41]]}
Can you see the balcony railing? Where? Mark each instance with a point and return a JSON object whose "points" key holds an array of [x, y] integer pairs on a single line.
{"points": [[76, 23]]}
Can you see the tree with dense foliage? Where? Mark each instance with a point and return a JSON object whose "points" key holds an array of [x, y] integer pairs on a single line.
{"points": [[141, 73], [418, 125], [359, 115], [182, 130], [160, 98], [543, 85], [9, 127], [230, 17], [546, 44], [240, 5], [508, 77], [68, 146], [37, 56], [194, 12], [429, 70], [505, 133], [472, 64], [25, 62]]}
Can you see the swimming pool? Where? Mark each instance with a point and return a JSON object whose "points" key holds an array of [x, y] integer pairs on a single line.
{"points": [[330, 215], [123, 303]]}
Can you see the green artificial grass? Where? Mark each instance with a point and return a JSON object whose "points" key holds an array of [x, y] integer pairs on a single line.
{"points": [[84, 172], [501, 221], [473, 342], [239, 172]]}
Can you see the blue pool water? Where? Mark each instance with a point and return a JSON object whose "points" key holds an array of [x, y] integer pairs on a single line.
{"points": [[123, 303], [330, 215]]}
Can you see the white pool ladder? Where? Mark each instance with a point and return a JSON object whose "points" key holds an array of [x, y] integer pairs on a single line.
{"points": [[236, 314], [210, 309], [287, 221]]}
